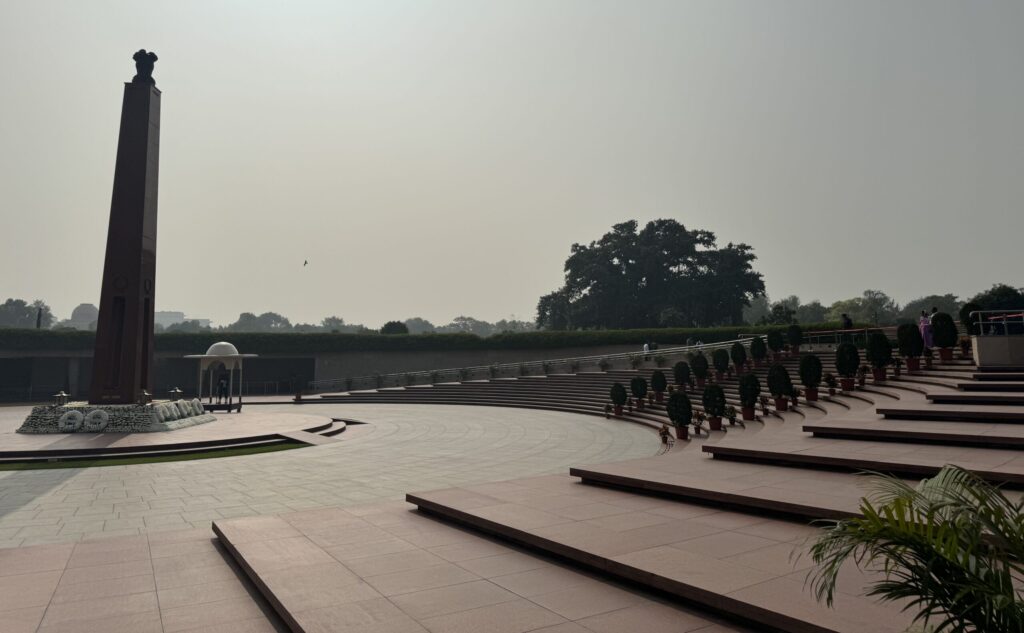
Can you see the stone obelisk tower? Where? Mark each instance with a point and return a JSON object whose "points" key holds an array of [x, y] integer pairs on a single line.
{"points": [[123, 358]]}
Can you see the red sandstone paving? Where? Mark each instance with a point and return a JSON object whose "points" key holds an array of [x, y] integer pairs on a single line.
{"points": [[455, 580]]}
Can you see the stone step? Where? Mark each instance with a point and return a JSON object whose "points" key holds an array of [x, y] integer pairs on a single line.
{"points": [[998, 376], [742, 566], [958, 412], [976, 398], [384, 569], [1008, 436], [990, 386], [999, 466]]}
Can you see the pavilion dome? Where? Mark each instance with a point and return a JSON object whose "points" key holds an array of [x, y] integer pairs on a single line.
{"points": [[222, 349]]}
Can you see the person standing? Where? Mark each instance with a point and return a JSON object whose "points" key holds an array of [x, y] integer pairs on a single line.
{"points": [[846, 322], [924, 323], [222, 390]]}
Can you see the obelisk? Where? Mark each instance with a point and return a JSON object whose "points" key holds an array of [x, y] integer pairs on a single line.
{"points": [[123, 358]]}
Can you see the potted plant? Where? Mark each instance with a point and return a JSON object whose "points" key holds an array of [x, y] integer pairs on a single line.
{"points": [[780, 385], [681, 374], [699, 365], [776, 343], [830, 380], [810, 375], [618, 397], [847, 362], [795, 336], [639, 388], [658, 385], [910, 345], [680, 411], [730, 414], [758, 350], [945, 335], [879, 353], [750, 389], [714, 406], [720, 358], [698, 421], [738, 354]]}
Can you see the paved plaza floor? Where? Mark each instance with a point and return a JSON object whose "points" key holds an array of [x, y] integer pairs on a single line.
{"points": [[402, 448]]}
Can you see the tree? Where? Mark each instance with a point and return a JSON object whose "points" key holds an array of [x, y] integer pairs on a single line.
{"points": [[417, 325], [757, 310], [394, 327], [999, 297], [629, 277], [812, 312], [468, 325], [945, 303], [780, 314], [874, 306], [266, 322], [188, 326], [16, 313], [950, 549]]}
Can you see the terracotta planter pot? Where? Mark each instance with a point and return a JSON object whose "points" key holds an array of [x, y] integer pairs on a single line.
{"points": [[618, 409], [846, 384], [747, 413], [683, 432], [700, 383], [878, 373], [714, 423], [812, 394], [913, 363], [659, 396], [945, 354], [739, 370], [782, 404]]}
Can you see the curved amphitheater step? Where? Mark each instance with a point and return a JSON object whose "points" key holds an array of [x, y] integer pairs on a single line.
{"points": [[750, 567], [1006, 436], [957, 412], [389, 569]]}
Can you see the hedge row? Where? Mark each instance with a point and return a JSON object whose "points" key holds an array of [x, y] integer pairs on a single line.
{"points": [[308, 343]]}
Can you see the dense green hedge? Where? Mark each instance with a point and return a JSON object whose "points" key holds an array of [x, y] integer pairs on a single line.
{"points": [[308, 343]]}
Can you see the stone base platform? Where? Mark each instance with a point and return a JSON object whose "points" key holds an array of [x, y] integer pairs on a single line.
{"points": [[82, 417], [238, 429]]}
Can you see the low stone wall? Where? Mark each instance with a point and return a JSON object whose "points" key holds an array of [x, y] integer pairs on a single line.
{"points": [[81, 417]]}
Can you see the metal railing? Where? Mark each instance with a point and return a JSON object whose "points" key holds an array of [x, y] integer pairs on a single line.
{"points": [[509, 370], [997, 322]]}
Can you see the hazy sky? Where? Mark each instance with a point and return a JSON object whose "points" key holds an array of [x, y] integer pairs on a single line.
{"points": [[439, 158]]}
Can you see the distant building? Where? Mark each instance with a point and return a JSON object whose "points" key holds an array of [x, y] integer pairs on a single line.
{"points": [[168, 318], [82, 318]]}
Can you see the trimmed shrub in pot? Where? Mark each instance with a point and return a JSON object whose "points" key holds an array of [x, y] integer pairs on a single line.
{"points": [[847, 362], [738, 354], [680, 411], [618, 396], [810, 375], [713, 400], [639, 388], [795, 336], [879, 353], [776, 343], [780, 385], [720, 358], [750, 390], [681, 374], [659, 384], [945, 335], [758, 350], [699, 365], [911, 345]]}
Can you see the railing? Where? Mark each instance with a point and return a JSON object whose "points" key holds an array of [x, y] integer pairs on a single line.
{"points": [[997, 322], [505, 370]]}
